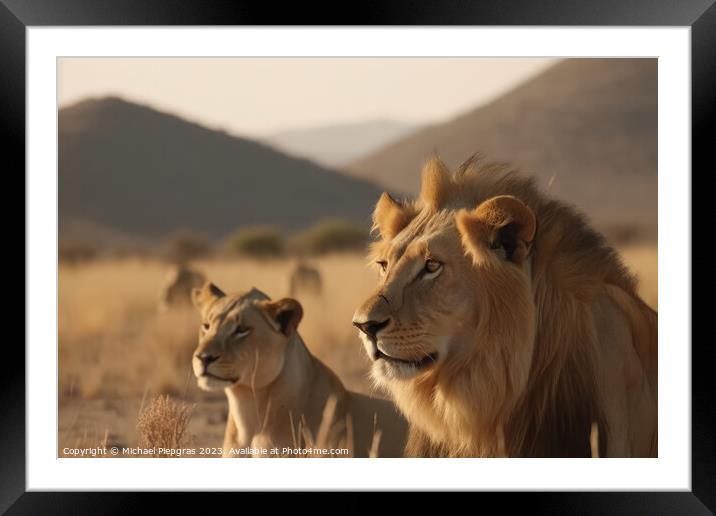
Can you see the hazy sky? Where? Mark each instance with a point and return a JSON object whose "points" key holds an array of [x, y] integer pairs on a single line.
{"points": [[261, 96]]}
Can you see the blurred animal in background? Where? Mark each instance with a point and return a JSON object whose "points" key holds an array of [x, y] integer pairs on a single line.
{"points": [[304, 280], [279, 394], [177, 287]]}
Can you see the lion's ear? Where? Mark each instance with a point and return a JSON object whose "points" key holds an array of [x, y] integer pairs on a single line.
{"points": [[436, 185], [204, 297], [391, 216], [503, 224], [286, 313]]}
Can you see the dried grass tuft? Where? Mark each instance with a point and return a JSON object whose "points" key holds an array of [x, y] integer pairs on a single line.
{"points": [[163, 424]]}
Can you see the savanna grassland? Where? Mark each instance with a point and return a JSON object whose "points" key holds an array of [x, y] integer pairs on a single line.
{"points": [[117, 353]]}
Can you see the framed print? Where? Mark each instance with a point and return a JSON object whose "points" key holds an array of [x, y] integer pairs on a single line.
{"points": [[428, 245]]}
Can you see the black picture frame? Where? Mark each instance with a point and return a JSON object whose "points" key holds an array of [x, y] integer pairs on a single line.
{"points": [[17, 15]]}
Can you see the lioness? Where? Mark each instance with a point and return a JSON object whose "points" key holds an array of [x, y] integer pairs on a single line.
{"points": [[177, 287], [281, 396], [502, 324], [304, 279]]}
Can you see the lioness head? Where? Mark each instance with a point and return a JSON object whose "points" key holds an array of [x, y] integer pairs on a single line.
{"points": [[243, 337], [452, 311]]}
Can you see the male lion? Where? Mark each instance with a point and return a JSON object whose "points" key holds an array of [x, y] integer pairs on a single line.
{"points": [[503, 325], [279, 394]]}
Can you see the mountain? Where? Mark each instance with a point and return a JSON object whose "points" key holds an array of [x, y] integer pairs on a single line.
{"points": [[336, 145], [138, 171], [586, 128]]}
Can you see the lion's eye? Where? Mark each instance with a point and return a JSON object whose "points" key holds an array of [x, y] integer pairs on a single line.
{"points": [[240, 331], [206, 326], [432, 266], [383, 265]]}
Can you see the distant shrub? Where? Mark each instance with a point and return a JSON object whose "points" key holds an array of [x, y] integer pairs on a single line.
{"points": [[74, 253], [257, 242], [332, 236], [184, 247]]}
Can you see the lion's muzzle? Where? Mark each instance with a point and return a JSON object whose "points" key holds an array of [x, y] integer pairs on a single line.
{"points": [[206, 359], [371, 328]]}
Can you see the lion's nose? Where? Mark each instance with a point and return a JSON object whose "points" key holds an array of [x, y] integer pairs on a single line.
{"points": [[371, 328], [207, 359]]}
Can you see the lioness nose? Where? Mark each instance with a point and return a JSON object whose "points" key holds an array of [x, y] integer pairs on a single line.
{"points": [[207, 359], [371, 328]]}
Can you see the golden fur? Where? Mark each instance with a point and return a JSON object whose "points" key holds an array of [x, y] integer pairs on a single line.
{"points": [[530, 323], [279, 394]]}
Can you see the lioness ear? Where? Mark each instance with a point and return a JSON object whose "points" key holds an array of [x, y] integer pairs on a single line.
{"points": [[436, 185], [287, 313], [257, 295], [203, 297], [503, 224], [391, 216]]}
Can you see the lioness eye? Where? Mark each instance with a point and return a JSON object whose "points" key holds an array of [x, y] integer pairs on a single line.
{"points": [[205, 326], [383, 265], [432, 266]]}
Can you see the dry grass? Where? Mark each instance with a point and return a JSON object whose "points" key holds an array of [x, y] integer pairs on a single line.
{"points": [[643, 261], [327, 431], [88, 438], [594, 440], [163, 424]]}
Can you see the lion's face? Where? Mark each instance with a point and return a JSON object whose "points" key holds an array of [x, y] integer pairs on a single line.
{"points": [[243, 338], [450, 326], [408, 326]]}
